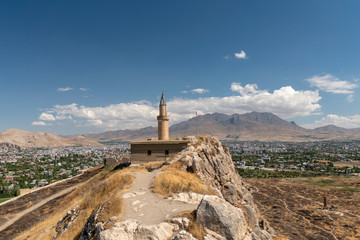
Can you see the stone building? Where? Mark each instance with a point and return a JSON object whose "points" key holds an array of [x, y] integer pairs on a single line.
{"points": [[161, 149]]}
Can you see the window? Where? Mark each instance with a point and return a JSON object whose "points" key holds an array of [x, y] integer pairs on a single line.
{"points": [[149, 152], [166, 152]]}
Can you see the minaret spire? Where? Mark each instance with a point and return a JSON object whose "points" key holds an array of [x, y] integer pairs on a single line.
{"points": [[163, 120], [162, 101]]}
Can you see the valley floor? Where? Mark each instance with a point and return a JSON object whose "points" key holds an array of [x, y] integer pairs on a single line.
{"points": [[295, 207]]}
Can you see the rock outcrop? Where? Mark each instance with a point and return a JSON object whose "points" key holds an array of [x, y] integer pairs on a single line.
{"points": [[66, 221], [221, 217], [213, 164], [8, 146], [92, 226]]}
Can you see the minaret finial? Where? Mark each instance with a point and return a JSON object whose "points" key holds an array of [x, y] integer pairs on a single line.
{"points": [[162, 101]]}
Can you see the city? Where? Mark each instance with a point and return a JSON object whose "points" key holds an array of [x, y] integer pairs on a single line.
{"points": [[37, 167]]}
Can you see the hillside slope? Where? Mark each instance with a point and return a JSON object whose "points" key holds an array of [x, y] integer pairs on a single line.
{"points": [[27, 139]]}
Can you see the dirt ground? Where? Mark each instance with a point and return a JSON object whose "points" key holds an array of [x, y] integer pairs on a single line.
{"points": [[295, 207], [11, 209]]}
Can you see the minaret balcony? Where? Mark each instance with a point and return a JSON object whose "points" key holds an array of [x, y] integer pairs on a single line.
{"points": [[163, 118]]}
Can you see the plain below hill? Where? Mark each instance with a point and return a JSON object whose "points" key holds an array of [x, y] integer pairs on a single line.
{"points": [[252, 126], [25, 139]]}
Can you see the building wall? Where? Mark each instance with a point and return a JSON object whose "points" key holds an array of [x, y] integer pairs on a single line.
{"points": [[152, 151]]}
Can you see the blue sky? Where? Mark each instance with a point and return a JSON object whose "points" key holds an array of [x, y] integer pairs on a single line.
{"points": [[90, 66]]}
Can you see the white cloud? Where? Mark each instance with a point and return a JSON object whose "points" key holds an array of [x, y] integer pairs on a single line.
{"points": [[240, 55], [284, 102], [64, 89], [83, 89], [248, 89], [350, 98], [199, 91], [38, 123], [352, 121], [115, 116], [96, 122], [184, 91], [332, 84], [46, 117]]}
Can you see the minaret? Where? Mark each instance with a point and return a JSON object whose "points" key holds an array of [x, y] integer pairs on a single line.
{"points": [[163, 120]]}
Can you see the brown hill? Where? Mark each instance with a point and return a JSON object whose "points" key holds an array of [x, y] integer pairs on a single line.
{"points": [[243, 127], [27, 139]]}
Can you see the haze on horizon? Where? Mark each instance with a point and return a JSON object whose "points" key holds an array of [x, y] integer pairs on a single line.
{"points": [[80, 67]]}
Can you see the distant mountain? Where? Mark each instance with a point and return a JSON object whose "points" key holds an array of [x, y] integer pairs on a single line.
{"points": [[332, 129], [124, 135], [24, 139], [347, 133], [243, 127]]}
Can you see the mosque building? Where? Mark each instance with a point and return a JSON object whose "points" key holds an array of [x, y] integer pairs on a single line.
{"points": [[161, 149]]}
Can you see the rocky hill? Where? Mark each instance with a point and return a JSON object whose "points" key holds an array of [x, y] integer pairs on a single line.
{"points": [[9, 146], [243, 127], [196, 195], [25, 139]]}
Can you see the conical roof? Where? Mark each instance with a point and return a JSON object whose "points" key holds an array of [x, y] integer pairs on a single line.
{"points": [[162, 100]]}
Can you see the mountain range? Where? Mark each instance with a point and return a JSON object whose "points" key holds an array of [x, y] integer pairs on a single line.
{"points": [[242, 127], [252, 126]]}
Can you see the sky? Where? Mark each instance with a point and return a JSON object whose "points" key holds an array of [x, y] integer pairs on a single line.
{"points": [[74, 67]]}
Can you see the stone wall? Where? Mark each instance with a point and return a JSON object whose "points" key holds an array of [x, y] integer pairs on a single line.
{"points": [[151, 151]]}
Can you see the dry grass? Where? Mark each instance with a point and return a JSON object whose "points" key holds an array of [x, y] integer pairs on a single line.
{"points": [[196, 229], [104, 187], [175, 165], [281, 238], [176, 181], [150, 166]]}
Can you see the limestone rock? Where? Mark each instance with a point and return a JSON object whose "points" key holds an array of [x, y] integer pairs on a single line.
{"points": [[221, 217], [132, 230], [188, 197], [181, 222], [66, 221], [183, 235], [212, 163], [211, 235], [92, 227]]}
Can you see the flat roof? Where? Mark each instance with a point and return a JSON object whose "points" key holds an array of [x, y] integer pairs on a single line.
{"points": [[161, 142]]}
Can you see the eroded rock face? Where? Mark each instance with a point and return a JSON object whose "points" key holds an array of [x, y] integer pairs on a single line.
{"points": [[221, 217], [213, 164]]}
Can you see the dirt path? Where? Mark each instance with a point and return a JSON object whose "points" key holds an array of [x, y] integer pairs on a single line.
{"points": [[145, 206], [11, 219]]}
